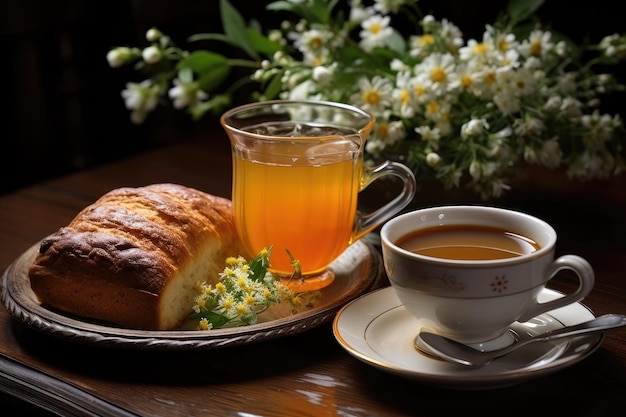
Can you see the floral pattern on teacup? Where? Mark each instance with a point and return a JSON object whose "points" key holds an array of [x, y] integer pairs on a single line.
{"points": [[499, 284]]}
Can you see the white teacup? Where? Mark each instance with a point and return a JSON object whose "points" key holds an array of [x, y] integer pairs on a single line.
{"points": [[475, 301]]}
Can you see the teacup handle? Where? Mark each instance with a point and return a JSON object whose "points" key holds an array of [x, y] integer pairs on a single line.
{"points": [[365, 223], [586, 278]]}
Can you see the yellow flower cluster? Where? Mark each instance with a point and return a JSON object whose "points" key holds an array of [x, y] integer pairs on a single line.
{"points": [[244, 291]]}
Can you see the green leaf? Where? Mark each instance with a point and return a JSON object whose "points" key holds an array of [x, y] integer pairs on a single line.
{"points": [[287, 6], [258, 265], [314, 11], [262, 43], [209, 37], [396, 43], [281, 5], [216, 319], [213, 76], [274, 87], [211, 68], [200, 61], [215, 105], [520, 10], [220, 102], [323, 9], [235, 27], [351, 53]]}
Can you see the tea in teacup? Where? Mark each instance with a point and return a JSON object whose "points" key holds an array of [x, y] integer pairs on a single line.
{"points": [[467, 242], [475, 300]]}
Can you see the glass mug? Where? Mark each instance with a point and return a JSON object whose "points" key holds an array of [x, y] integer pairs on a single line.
{"points": [[297, 170]]}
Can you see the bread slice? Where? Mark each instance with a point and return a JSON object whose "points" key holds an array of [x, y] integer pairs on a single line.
{"points": [[135, 256]]}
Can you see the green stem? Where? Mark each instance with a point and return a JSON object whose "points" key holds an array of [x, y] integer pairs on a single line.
{"points": [[243, 63]]}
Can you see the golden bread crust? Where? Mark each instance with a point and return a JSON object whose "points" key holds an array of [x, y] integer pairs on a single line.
{"points": [[134, 256]]}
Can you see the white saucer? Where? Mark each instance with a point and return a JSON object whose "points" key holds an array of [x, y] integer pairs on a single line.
{"points": [[376, 329]]}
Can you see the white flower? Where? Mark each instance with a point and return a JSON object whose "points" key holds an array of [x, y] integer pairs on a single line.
{"points": [[530, 126], [475, 127], [566, 84], [151, 54], [475, 51], [141, 99], [507, 101], [475, 169], [403, 95], [387, 131], [313, 44], [550, 154], [436, 70], [153, 35], [530, 155], [600, 125], [358, 13], [374, 95], [322, 75], [463, 78], [420, 44], [430, 135], [302, 91], [505, 42], [438, 111], [374, 146], [452, 35], [429, 19], [119, 56], [432, 159], [186, 94], [571, 107], [485, 82], [538, 44], [398, 65], [375, 32]]}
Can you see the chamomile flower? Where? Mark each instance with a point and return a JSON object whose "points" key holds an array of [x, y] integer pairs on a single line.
{"points": [[538, 44], [436, 70], [430, 135], [375, 32], [475, 51], [403, 95], [374, 94], [313, 44]]}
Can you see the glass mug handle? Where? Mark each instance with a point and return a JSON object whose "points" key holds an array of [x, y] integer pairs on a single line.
{"points": [[586, 278], [365, 223]]}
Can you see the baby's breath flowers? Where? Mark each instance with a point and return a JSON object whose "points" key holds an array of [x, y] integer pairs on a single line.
{"points": [[463, 112], [245, 290]]}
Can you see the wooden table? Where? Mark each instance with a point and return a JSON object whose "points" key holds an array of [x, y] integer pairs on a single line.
{"points": [[308, 374]]}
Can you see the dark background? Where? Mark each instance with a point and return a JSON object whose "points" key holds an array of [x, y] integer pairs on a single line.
{"points": [[62, 108]]}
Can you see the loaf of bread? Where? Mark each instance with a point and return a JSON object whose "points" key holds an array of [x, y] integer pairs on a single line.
{"points": [[135, 256]]}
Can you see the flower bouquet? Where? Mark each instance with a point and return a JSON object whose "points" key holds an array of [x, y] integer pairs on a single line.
{"points": [[463, 112]]}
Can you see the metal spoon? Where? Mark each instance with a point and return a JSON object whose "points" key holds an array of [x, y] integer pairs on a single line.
{"points": [[454, 351]]}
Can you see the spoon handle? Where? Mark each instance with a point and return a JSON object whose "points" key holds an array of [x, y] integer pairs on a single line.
{"points": [[599, 324]]}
